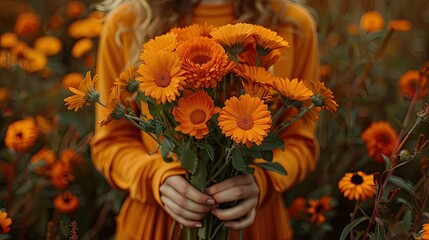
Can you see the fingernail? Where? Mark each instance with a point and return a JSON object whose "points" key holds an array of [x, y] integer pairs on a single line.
{"points": [[211, 201], [198, 225]]}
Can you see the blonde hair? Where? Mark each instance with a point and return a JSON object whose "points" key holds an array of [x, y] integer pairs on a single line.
{"points": [[155, 17]]}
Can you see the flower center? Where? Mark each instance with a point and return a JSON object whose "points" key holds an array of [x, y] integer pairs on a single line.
{"points": [[319, 208], [357, 179], [67, 199], [198, 116], [19, 135], [162, 78], [200, 59], [245, 122]]}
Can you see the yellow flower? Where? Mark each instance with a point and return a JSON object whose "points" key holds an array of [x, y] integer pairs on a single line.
{"points": [[372, 21], [22, 134], [232, 35], [400, 25], [245, 119], [425, 234], [114, 109], [292, 89], [379, 138], [33, 61], [268, 40], [85, 28], [81, 47], [5, 223], [204, 61], [166, 42], [48, 45], [193, 112], [46, 155], [66, 202], [357, 186], [318, 208], [161, 76], [85, 95], [322, 96], [127, 80], [72, 79], [8, 40]]}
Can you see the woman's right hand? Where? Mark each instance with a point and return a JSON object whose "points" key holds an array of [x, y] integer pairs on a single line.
{"points": [[183, 202]]}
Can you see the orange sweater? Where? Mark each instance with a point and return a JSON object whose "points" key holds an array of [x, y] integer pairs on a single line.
{"points": [[120, 151]]}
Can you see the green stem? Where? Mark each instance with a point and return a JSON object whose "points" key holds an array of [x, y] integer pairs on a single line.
{"points": [[224, 165]]}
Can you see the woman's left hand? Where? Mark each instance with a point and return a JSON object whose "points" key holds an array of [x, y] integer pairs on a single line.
{"points": [[242, 188]]}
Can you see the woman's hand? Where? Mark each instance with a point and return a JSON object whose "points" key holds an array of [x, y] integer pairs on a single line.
{"points": [[243, 188], [183, 202]]}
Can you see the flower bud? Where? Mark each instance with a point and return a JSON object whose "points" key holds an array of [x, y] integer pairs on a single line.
{"points": [[404, 155]]}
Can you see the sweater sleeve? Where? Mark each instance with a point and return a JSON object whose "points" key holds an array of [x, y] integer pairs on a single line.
{"points": [[300, 60], [119, 151]]}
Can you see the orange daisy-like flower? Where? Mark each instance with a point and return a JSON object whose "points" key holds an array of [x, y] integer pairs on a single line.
{"points": [[204, 61], [318, 208], [250, 57], [257, 81], [127, 80], [46, 155], [22, 134], [66, 202], [72, 79], [232, 35], [8, 40], [297, 208], [425, 234], [161, 76], [246, 119], [27, 24], [379, 138], [192, 31], [322, 96], [48, 45], [400, 25], [166, 42], [61, 174], [292, 89], [81, 47], [193, 112], [268, 40], [372, 21], [114, 109], [70, 156], [357, 186], [85, 95], [409, 82], [5, 223]]}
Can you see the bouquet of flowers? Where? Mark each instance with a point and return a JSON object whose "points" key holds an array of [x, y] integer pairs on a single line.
{"points": [[212, 102]]}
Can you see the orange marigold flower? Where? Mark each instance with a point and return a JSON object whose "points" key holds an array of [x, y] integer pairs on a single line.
{"points": [[292, 89], [81, 47], [372, 21], [410, 81], [246, 119], [85, 28], [46, 155], [72, 79], [5, 223], [22, 134], [85, 95], [204, 61], [61, 175], [127, 80], [267, 40], [400, 25], [114, 109], [379, 138], [66, 202], [161, 76], [318, 208], [27, 24], [322, 96], [48, 45], [8, 40], [193, 112], [166, 42], [33, 61], [297, 208], [75, 9], [357, 186], [425, 234]]}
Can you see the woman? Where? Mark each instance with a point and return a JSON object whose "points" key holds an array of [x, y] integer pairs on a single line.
{"points": [[158, 192]]}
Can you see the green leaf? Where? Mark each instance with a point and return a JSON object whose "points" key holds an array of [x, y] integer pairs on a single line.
{"points": [[199, 178], [158, 129], [270, 142], [268, 155], [253, 154], [379, 233], [188, 156], [154, 109], [273, 166], [165, 147], [208, 148], [238, 161], [350, 226], [407, 203], [386, 161], [403, 184]]}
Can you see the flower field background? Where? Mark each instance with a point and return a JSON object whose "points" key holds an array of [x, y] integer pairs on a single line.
{"points": [[375, 58]]}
